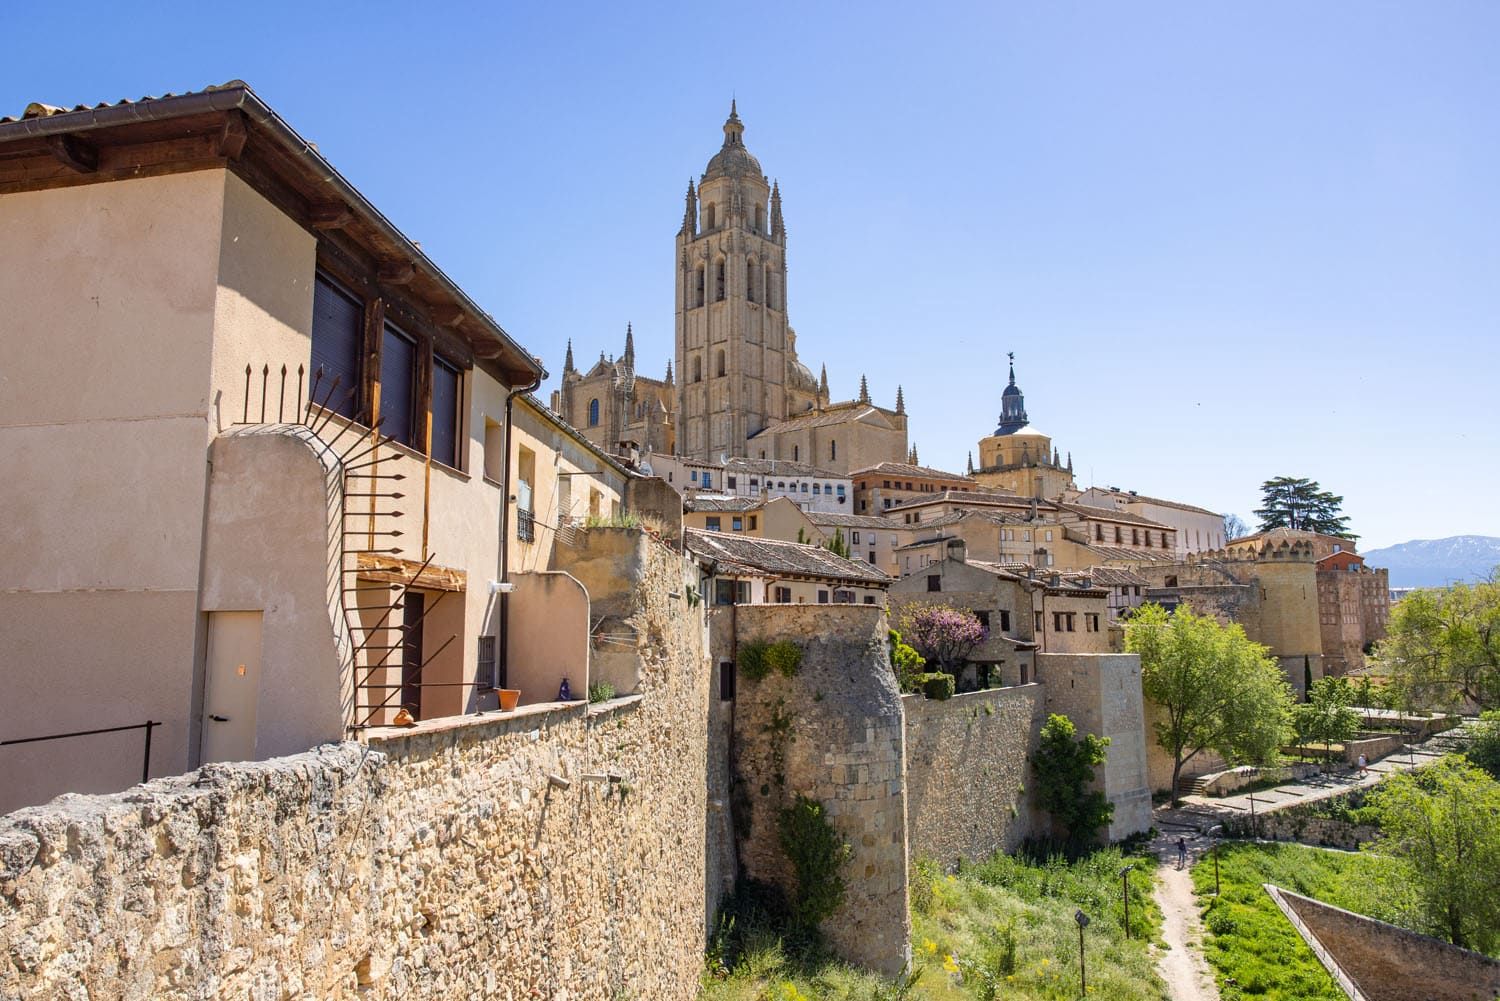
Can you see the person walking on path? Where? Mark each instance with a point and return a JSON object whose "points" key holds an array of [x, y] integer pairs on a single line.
{"points": [[1363, 765], [1181, 852]]}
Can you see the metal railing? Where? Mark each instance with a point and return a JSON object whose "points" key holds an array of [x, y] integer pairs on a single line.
{"points": [[525, 525], [145, 756]]}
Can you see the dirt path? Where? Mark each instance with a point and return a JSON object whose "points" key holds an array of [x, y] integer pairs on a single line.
{"points": [[1181, 965]]}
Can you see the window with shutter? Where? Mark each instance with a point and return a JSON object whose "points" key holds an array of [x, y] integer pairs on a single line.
{"points": [[447, 406], [337, 334], [398, 357]]}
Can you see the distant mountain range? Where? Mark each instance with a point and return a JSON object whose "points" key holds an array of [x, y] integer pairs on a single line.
{"points": [[1434, 562]]}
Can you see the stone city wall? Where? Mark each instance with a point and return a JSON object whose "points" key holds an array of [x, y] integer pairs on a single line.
{"points": [[834, 733], [968, 771], [440, 861], [1376, 961]]}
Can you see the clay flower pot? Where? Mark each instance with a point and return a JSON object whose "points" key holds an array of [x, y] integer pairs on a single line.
{"points": [[508, 698]]}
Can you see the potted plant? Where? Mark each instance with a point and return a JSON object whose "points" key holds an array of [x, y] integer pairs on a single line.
{"points": [[508, 698]]}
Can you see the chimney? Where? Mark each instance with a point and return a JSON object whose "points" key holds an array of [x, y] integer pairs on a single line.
{"points": [[958, 550]]}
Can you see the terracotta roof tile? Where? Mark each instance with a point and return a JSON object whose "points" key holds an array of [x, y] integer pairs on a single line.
{"points": [[750, 554]]}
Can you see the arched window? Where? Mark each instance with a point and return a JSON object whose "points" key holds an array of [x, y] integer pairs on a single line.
{"points": [[719, 281], [697, 369], [750, 280], [817, 490], [719, 363], [796, 452], [760, 219], [833, 450], [710, 216], [698, 287], [767, 288], [593, 413], [780, 485]]}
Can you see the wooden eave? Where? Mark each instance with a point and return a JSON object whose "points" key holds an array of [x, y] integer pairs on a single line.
{"points": [[231, 139]]}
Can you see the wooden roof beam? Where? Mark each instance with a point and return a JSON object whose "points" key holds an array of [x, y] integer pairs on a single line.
{"points": [[74, 153], [330, 215]]}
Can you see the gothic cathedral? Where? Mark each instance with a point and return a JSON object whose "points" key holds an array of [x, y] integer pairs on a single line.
{"points": [[740, 389]]}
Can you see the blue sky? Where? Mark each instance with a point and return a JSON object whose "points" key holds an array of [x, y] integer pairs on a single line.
{"points": [[1225, 242]]}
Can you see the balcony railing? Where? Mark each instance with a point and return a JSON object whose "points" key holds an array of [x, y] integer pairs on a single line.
{"points": [[525, 525]]}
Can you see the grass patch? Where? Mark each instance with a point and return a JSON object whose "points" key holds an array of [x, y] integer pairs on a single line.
{"points": [[1001, 929], [1253, 949]]}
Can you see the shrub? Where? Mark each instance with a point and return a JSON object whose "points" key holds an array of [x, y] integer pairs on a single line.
{"points": [[758, 658], [905, 661], [601, 691], [1064, 764], [1484, 751], [937, 686], [818, 855]]}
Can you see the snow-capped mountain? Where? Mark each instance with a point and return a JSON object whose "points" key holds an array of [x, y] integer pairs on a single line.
{"points": [[1434, 562]]}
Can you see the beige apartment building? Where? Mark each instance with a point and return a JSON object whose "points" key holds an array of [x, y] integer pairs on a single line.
{"points": [[262, 504], [746, 570], [769, 518], [885, 485], [1197, 529]]}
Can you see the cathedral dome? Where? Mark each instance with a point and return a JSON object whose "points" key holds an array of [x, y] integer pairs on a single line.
{"points": [[733, 160], [801, 377]]}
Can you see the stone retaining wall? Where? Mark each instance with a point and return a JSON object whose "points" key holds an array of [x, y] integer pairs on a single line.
{"points": [[968, 772], [1376, 961], [834, 733], [555, 852]]}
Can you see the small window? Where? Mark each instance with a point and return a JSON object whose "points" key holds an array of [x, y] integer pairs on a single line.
{"points": [[854, 537], [1004, 621], [804, 487], [1117, 535], [1135, 537], [485, 663], [726, 681], [833, 450], [1049, 535], [817, 490], [784, 595], [983, 617], [1091, 622], [752, 522], [712, 524], [872, 557], [934, 582], [796, 452], [593, 413], [870, 598], [494, 451], [822, 597], [1038, 624], [1098, 533], [731, 481], [693, 475], [736, 524], [843, 597]]}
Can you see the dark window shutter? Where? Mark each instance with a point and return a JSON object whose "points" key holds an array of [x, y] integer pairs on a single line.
{"points": [[398, 356], [447, 399], [337, 333]]}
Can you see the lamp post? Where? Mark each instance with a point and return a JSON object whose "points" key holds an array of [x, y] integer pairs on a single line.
{"points": [[1214, 833], [1083, 978], [1125, 894]]}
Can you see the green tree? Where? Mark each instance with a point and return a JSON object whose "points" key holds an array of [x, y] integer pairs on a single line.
{"points": [[1443, 645], [1484, 748], [837, 545], [1064, 764], [1445, 824], [1293, 502], [1326, 716], [1214, 688]]}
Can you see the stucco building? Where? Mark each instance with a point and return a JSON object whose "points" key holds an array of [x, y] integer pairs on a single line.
{"points": [[263, 506], [1196, 529]]}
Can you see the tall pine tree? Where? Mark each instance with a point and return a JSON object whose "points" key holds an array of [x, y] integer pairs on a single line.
{"points": [[1302, 504]]}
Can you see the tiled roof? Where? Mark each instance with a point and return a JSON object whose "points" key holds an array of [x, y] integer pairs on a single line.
{"points": [[720, 502], [750, 554], [1120, 554], [852, 520], [1111, 514], [906, 469], [1039, 576], [974, 497], [780, 467], [838, 413], [1113, 576], [1134, 498]]}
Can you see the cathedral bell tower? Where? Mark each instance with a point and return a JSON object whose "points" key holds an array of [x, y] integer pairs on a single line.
{"points": [[736, 367]]}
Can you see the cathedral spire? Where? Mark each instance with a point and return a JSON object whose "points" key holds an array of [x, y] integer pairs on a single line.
{"points": [[970, 470], [1070, 462], [669, 371], [734, 129], [864, 390], [629, 356], [568, 358], [778, 228], [1012, 404], [912, 455], [823, 386], [690, 215], [900, 401]]}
